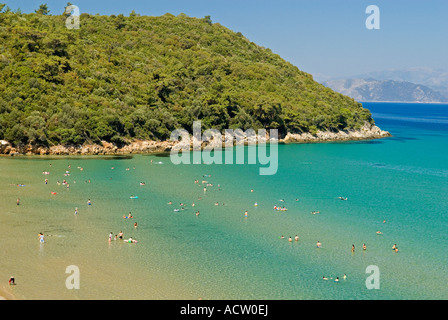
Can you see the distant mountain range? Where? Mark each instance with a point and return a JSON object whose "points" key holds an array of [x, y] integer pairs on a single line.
{"points": [[385, 90], [404, 85]]}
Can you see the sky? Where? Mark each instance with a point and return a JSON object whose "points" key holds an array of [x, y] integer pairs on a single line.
{"points": [[327, 38]]}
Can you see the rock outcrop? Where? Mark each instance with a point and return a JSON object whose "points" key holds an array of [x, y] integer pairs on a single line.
{"points": [[367, 132]]}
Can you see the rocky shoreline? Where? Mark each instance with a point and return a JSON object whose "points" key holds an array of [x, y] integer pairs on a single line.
{"points": [[367, 132]]}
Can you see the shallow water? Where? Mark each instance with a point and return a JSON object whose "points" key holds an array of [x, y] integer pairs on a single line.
{"points": [[220, 254]]}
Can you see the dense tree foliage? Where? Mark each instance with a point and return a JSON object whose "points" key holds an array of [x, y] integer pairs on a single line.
{"points": [[119, 78]]}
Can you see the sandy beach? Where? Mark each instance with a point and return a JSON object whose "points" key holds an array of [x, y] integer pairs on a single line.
{"points": [[5, 295]]}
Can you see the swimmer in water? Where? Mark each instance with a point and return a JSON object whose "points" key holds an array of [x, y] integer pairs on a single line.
{"points": [[296, 238], [318, 244], [245, 214]]}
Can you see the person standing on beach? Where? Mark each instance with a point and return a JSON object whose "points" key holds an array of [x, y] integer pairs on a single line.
{"points": [[110, 236], [41, 237], [18, 201]]}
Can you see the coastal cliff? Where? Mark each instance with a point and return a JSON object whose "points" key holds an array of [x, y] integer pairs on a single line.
{"points": [[367, 132]]}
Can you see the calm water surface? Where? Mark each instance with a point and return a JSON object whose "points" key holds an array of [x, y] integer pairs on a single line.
{"points": [[221, 254]]}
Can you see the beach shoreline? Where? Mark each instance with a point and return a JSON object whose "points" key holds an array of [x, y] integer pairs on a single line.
{"points": [[367, 132]]}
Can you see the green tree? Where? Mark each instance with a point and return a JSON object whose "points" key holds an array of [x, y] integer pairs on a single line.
{"points": [[208, 20], [43, 9]]}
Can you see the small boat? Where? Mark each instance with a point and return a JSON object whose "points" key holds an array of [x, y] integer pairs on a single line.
{"points": [[133, 197]]}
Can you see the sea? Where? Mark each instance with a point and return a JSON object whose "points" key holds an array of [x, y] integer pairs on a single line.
{"points": [[195, 240]]}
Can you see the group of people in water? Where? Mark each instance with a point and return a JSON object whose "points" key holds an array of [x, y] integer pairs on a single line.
{"points": [[296, 238], [278, 208], [205, 184], [364, 247], [120, 236], [344, 277]]}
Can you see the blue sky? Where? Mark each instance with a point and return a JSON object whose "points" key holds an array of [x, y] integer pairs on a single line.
{"points": [[322, 37]]}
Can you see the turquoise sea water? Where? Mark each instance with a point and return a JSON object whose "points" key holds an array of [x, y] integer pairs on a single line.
{"points": [[221, 254]]}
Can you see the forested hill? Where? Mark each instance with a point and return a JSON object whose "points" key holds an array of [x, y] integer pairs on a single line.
{"points": [[121, 78]]}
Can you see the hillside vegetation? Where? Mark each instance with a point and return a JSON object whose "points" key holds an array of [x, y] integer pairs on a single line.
{"points": [[122, 78]]}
